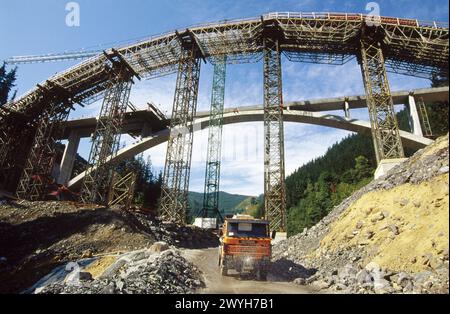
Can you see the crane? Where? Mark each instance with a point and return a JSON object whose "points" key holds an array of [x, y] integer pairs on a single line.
{"points": [[54, 57]]}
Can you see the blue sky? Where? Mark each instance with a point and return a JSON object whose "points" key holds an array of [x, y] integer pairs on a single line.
{"points": [[38, 27]]}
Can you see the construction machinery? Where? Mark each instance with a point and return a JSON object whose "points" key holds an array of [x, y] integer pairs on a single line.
{"points": [[245, 245]]}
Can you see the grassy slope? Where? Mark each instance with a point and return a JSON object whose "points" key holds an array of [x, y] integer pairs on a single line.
{"points": [[228, 203]]}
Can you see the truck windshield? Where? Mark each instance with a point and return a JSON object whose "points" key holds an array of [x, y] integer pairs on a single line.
{"points": [[253, 230]]}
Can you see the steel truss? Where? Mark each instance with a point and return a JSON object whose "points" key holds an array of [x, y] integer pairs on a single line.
{"points": [[274, 175], [122, 189], [212, 174], [36, 174], [174, 195], [425, 121], [385, 131], [411, 47], [106, 138]]}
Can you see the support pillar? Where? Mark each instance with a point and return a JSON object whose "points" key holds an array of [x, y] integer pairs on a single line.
{"points": [[68, 159], [36, 174], [212, 174], [274, 175], [106, 138], [174, 194], [385, 131], [423, 118], [347, 109], [414, 119], [105, 142]]}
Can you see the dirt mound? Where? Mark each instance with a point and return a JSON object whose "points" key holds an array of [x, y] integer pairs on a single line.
{"points": [[37, 237], [391, 236]]}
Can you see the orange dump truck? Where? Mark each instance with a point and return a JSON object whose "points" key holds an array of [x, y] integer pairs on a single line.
{"points": [[245, 245]]}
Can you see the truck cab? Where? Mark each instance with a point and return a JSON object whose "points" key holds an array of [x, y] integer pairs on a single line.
{"points": [[245, 245]]}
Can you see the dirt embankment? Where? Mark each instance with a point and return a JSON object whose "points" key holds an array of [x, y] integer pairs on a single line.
{"points": [[392, 236], [37, 237]]}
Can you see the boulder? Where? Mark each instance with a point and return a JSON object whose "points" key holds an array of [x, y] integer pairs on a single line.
{"points": [[159, 247]]}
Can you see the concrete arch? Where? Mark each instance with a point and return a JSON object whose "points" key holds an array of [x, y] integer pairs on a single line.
{"points": [[257, 115]]}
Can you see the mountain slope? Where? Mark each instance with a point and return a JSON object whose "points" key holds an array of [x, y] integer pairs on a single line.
{"points": [[228, 203], [391, 236]]}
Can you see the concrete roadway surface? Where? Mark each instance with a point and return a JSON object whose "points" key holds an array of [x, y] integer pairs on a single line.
{"points": [[207, 262]]}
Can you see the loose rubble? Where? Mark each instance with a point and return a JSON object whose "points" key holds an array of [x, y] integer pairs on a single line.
{"points": [[39, 236], [345, 270], [141, 272]]}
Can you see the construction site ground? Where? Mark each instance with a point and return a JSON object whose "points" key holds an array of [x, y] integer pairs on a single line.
{"points": [[37, 237], [215, 283]]}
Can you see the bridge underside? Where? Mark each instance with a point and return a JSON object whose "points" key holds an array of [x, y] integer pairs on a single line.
{"points": [[353, 125]]}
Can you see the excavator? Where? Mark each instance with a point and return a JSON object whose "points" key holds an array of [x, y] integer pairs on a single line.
{"points": [[245, 246]]}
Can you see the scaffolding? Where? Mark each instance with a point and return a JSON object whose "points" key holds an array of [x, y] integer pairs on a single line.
{"points": [[174, 194], [106, 138], [122, 189], [425, 121], [385, 131], [210, 207], [274, 175]]}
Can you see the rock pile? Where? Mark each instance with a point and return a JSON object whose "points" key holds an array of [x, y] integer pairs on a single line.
{"points": [[141, 272], [39, 236], [344, 269]]}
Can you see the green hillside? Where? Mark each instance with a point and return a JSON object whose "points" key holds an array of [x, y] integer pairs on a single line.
{"points": [[228, 203]]}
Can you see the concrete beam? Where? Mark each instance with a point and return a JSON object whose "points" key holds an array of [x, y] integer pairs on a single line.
{"points": [[136, 121], [332, 121]]}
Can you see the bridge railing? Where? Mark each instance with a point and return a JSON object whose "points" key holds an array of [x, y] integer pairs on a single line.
{"points": [[355, 17]]}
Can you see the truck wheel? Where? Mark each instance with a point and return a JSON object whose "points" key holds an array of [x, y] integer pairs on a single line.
{"points": [[262, 274], [223, 270]]}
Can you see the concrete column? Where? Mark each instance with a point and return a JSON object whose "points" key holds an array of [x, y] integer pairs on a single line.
{"points": [[414, 119], [347, 109], [146, 130], [68, 158]]}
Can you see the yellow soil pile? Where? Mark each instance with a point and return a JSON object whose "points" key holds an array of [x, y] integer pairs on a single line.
{"points": [[97, 268], [402, 229]]}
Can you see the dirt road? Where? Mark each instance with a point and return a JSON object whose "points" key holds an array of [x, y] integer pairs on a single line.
{"points": [[206, 261]]}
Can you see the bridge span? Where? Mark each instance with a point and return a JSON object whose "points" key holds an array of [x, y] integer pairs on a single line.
{"points": [[256, 114]]}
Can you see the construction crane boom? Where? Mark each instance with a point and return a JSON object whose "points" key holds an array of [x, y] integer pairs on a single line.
{"points": [[53, 57]]}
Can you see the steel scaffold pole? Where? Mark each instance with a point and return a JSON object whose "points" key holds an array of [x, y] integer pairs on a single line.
{"points": [[106, 138], [175, 187], [210, 207], [385, 131], [274, 175]]}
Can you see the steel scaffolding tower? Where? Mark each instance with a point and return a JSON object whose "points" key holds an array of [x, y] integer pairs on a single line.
{"points": [[424, 118], [174, 195], [385, 131], [36, 174], [274, 176], [106, 138], [213, 160], [122, 189]]}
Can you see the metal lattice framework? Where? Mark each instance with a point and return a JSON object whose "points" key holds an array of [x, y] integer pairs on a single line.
{"points": [[106, 138], [174, 195], [39, 164], [213, 159], [425, 121], [274, 170], [122, 189], [404, 46], [385, 131]]}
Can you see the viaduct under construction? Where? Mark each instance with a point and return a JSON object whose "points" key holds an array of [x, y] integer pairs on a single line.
{"points": [[31, 126]]}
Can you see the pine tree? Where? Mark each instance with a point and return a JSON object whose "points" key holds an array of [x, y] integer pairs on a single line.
{"points": [[7, 80]]}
